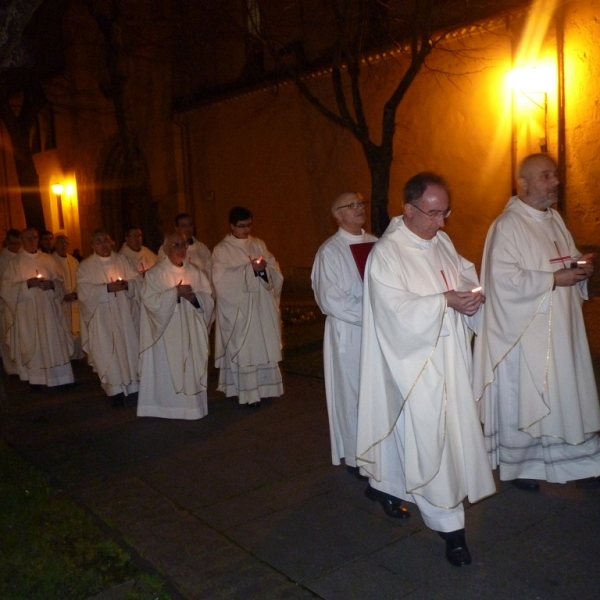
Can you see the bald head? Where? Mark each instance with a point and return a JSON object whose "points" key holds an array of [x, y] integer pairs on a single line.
{"points": [[348, 209], [538, 181], [175, 246]]}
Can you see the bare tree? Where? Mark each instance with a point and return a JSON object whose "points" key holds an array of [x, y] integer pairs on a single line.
{"points": [[114, 19], [19, 119], [355, 30]]}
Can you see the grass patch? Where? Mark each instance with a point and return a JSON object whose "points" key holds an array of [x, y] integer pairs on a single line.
{"points": [[50, 549]]}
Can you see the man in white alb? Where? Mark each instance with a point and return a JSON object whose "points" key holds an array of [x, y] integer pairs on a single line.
{"points": [[247, 283], [139, 256], [177, 307], [419, 436], [533, 370], [67, 267], [35, 328], [338, 289], [12, 245], [108, 288]]}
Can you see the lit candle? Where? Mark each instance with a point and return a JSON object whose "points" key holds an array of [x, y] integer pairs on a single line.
{"points": [[580, 263]]}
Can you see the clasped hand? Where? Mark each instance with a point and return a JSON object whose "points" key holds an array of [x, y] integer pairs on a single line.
{"points": [[467, 303], [184, 290], [568, 277], [117, 286], [259, 264], [41, 283]]}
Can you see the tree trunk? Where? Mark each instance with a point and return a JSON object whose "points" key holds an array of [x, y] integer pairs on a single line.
{"points": [[379, 160], [27, 176]]}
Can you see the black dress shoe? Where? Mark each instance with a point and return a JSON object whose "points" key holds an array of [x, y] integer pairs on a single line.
{"points": [[527, 485], [457, 551], [253, 404], [390, 504], [356, 472]]}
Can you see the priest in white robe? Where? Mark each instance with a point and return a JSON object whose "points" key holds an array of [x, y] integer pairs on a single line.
{"points": [[248, 283], [419, 436], [108, 288], [67, 267], [338, 289], [140, 257], [12, 245], [177, 307], [533, 370], [198, 254], [36, 331]]}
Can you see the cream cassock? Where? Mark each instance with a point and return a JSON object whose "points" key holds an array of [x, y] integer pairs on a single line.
{"points": [[110, 321], [36, 331], [248, 328], [174, 343]]}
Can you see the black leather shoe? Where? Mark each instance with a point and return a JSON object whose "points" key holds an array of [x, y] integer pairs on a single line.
{"points": [[356, 472], [527, 485], [391, 505], [457, 551], [253, 404]]}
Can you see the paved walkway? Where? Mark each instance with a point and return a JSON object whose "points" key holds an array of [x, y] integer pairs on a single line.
{"points": [[245, 504]]}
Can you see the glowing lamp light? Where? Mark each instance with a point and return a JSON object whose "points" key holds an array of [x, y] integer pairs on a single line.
{"points": [[70, 189], [532, 79], [57, 188]]}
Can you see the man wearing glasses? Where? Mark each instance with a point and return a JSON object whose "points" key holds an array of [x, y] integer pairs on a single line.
{"points": [[533, 369], [247, 283], [419, 437], [338, 289], [177, 307]]}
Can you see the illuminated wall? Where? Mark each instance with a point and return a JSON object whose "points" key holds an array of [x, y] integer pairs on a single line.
{"points": [[273, 152]]}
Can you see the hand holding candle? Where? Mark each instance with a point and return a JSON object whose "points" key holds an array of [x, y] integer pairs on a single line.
{"points": [[258, 264], [184, 290]]}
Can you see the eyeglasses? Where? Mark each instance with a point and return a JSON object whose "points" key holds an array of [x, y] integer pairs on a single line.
{"points": [[179, 245], [354, 205], [243, 225], [434, 214]]}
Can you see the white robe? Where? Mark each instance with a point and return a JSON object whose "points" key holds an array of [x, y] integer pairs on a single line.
{"points": [[67, 268], [36, 331], [534, 375], [198, 254], [141, 261], [416, 364], [9, 365], [338, 289], [110, 321], [174, 343], [248, 327]]}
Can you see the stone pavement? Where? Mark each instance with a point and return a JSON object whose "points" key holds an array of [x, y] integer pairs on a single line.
{"points": [[244, 504]]}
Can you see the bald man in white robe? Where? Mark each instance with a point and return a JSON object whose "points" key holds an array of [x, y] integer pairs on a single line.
{"points": [[338, 289], [177, 308], [419, 436], [36, 331], [108, 288], [533, 370]]}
